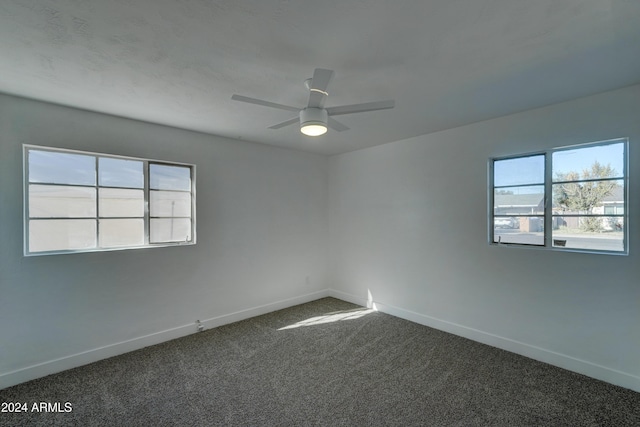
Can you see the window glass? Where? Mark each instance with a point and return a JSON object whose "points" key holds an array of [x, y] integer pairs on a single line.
{"points": [[519, 200], [170, 230], [527, 230], [121, 232], [120, 202], [121, 173], [163, 177], [62, 234], [518, 171], [170, 203], [573, 236], [61, 201], [587, 197], [61, 168], [581, 162]]}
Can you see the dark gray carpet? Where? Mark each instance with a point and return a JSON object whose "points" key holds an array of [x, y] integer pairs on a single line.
{"points": [[362, 370]]}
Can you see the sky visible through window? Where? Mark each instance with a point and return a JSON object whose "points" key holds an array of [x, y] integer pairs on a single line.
{"points": [[79, 169], [519, 171], [582, 158], [61, 168], [523, 172]]}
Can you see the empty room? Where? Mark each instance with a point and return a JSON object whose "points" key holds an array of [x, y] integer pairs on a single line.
{"points": [[320, 213]]}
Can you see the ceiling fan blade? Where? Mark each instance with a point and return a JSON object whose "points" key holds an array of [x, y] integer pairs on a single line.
{"points": [[321, 79], [263, 103], [285, 123], [336, 125], [318, 87], [361, 108]]}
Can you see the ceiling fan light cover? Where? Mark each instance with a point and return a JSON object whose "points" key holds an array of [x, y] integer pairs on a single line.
{"points": [[313, 129], [313, 121]]}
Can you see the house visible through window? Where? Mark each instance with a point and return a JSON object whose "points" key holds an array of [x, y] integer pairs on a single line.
{"points": [[78, 202], [519, 200], [571, 198]]}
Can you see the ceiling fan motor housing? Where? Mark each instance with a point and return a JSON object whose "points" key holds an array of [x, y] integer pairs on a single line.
{"points": [[313, 117]]}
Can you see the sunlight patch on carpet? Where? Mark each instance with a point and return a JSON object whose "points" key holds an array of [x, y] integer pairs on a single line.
{"points": [[337, 316]]}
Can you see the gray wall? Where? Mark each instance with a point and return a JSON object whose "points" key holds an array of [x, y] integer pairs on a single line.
{"points": [[261, 230], [409, 234]]}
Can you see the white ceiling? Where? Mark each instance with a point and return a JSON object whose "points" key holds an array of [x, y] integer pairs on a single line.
{"points": [[445, 62]]}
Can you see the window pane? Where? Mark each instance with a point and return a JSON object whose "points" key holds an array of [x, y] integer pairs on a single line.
{"points": [[170, 203], [61, 168], [581, 162], [170, 230], [61, 201], [121, 173], [118, 202], [521, 230], [519, 171], [121, 232], [587, 197], [594, 233], [163, 177], [61, 234], [519, 200]]}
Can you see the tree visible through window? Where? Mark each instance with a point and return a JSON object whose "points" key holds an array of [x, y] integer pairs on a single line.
{"points": [[584, 179], [571, 198], [78, 201]]}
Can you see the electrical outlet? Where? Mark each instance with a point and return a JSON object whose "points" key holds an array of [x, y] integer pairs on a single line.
{"points": [[200, 326]]}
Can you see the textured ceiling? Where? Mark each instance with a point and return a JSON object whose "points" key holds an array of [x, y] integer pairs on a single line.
{"points": [[445, 62]]}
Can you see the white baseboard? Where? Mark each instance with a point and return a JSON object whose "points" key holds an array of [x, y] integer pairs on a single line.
{"points": [[214, 322], [564, 361], [39, 370]]}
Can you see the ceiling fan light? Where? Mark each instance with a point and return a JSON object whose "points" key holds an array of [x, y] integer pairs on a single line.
{"points": [[313, 121], [313, 129]]}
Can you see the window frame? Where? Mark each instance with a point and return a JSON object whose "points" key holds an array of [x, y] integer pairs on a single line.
{"points": [[146, 189], [548, 214]]}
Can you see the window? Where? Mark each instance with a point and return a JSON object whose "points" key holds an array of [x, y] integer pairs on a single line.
{"points": [[570, 198], [79, 202]]}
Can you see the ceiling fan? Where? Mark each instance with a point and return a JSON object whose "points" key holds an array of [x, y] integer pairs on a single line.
{"points": [[315, 118]]}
